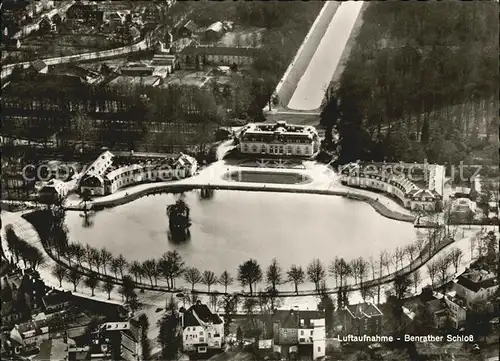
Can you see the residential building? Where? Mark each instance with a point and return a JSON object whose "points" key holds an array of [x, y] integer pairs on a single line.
{"points": [[129, 80], [190, 56], [215, 31], [137, 70], [188, 29], [86, 12], [153, 13], [39, 66], [279, 138], [118, 340], [30, 334], [361, 319], [462, 210], [475, 285], [400, 180], [202, 330], [301, 332], [52, 190], [447, 308], [55, 301]]}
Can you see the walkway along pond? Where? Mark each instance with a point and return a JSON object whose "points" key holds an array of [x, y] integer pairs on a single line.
{"points": [[424, 257]]}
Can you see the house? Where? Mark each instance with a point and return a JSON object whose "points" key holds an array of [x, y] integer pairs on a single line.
{"points": [[202, 330], [300, 331], [30, 334], [462, 210], [447, 308], [190, 56], [164, 60], [187, 30], [39, 66], [462, 192], [114, 18], [137, 70], [475, 285], [185, 166], [152, 13], [86, 12], [361, 319], [9, 295], [118, 340], [134, 34], [52, 190], [147, 81], [56, 301], [215, 31]]}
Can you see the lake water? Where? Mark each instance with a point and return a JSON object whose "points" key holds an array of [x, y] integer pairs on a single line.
{"points": [[234, 226]]}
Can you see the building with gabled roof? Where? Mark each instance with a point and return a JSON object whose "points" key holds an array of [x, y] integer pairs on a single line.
{"points": [[30, 334], [475, 285], [300, 331], [361, 318], [202, 329]]}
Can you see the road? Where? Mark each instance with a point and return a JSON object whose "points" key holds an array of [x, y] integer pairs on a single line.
{"points": [[311, 87]]}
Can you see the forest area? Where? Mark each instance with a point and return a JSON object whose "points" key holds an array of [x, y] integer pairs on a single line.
{"points": [[421, 83]]}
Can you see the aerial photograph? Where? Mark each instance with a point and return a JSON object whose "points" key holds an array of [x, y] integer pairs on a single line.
{"points": [[250, 180]]}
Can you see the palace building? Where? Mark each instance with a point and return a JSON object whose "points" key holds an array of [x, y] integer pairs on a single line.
{"points": [[280, 138], [417, 186]]}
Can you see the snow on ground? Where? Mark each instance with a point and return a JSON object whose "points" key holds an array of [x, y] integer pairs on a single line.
{"points": [[311, 87]]}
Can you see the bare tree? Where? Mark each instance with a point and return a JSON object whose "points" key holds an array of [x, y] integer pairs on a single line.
{"points": [[192, 276], [92, 282], [296, 275], [121, 264], [411, 251], [107, 287], [332, 270], [386, 260], [455, 257], [399, 253], [417, 278], [209, 278], [316, 272], [443, 264], [150, 269], [74, 276], [432, 269], [274, 274], [106, 258], [59, 272], [226, 279], [420, 245]]}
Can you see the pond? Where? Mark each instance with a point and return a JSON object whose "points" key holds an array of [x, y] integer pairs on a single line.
{"points": [[267, 177], [234, 226]]}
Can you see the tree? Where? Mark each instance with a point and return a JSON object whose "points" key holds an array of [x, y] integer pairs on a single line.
{"points": [[74, 276], [171, 266], [432, 270], [274, 274], [442, 264], [225, 279], [121, 263], [83, 126], [423, 322], [34, 256], [229, 304], [209, 279], [192, 275], [359, 269], [297, 276], [136, 270], [150, 269], [455, 257], [316, 273], [78, 253], [401, 285], [249, 273], [145, 345], [59, 272], [106, 258], [107, 287], [169, 335], [127, 288], [411, 251], [417, 278], [92, 282], [342, 270]]}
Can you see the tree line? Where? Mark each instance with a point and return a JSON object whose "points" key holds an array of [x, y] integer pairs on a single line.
{"points": [[416, 85]]}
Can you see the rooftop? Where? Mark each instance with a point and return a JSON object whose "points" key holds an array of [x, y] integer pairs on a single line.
{"points": [[475, 280], [297, 318], [363, 310]]}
